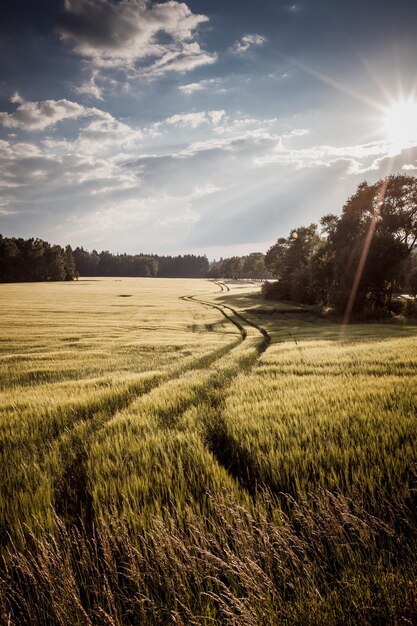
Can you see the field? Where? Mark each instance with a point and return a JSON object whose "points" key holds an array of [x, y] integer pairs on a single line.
{"points": [[181, 452]]}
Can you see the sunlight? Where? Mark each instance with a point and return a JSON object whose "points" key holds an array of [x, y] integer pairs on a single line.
{"points": [[400, 123]]}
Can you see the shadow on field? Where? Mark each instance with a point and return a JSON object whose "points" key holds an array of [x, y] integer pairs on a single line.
{"points": [[304, 322], [255, 302]]}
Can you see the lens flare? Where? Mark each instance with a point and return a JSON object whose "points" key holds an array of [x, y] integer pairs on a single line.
{"points": [[400, 123]]}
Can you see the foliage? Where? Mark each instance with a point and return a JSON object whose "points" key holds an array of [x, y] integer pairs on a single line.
{"points": [[107, 264], [361, 258], [290, 261], [37, 260], [250, 266], [34, 260]]}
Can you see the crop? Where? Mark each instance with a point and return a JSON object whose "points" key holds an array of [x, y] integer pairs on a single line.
{"points": [[173, 451]]}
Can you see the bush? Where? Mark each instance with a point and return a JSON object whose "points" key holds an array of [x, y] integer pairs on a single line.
{"points": [[274, 291]]}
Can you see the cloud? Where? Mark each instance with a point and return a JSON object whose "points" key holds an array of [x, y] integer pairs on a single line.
{"points": [[206, 190], [192, 179], [322, 155], [216, 117], [90, 87], [242, 142], [134, 35], [101, 134], [193, 120], [202, 85], [247, 42], [394, 160], [189, 57], [240, 124], [41, 115], [36, 172]]}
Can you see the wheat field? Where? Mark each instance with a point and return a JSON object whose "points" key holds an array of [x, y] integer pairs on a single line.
{"points": [[179, 452]]}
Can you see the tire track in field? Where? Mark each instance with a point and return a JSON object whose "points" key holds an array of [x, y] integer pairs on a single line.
{"points": [[224, 287], [233, 459], [111, 401], [71, 491], [68, 429], [237, 320], [72, 497], [221, 284], [267, 338], [209, 399], [218, 308]]}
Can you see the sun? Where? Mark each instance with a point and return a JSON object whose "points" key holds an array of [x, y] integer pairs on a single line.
{"points": [[400, 123]]}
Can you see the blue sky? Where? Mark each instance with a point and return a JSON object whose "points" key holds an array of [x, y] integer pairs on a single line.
{"points": [[206, 126]]}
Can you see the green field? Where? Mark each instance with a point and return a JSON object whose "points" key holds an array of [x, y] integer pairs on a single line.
{"points": [[179, 452]]}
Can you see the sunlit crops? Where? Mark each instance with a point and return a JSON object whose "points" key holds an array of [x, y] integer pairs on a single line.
{"points": [[129, 408]]}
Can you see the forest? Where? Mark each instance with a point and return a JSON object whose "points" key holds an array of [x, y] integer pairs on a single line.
{"points": [[32, 260]]}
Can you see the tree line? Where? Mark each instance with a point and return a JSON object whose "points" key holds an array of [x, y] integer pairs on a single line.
{"points": [[250, 266], [149, 265], [37, 260], [357, 262]]}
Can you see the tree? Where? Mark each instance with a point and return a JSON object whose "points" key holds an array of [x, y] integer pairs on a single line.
{"points": [[254, 265], [360, 259], [290, 261], [69, 263], [370, 241]]}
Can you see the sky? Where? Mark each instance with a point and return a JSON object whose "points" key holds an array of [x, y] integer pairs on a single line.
{"points": [[206, 126]]}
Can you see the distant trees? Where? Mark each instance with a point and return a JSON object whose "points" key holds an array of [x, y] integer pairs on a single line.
{"points": [[34, 260], [86, 262], [37, 260], [250, 266], [149, 265], [186, 266], [358, 259]]}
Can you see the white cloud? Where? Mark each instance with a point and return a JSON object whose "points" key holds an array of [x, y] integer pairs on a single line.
{"points": [[323, 155], [108, 133], [193, 120], [41, 172], [90, 87], [103, 135], [191, 88], [150, 38], [408, 167], [187, 119], [206, 190], [185, 59], [216, 117], [41, 115], [247, 42], [239, 142], [231, 127]]}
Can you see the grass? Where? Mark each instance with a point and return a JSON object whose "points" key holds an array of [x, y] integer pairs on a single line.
{"points": [[168, 459]]}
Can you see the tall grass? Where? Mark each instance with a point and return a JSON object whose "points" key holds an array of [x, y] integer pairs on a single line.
{"points": [[163, 462], [338, 415], [329, 563]]}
